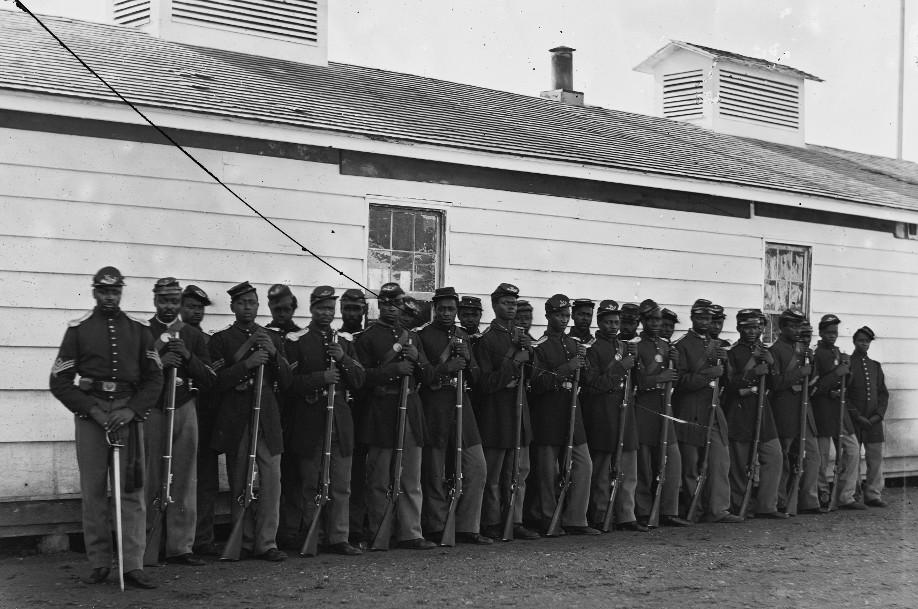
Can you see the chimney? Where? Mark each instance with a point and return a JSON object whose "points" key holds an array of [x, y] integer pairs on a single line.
{"points": [[562, 77]]}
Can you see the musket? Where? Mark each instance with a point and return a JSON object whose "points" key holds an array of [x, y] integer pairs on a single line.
{"points": [[554, 527], [797, 473], [116, 445], [517, 455], [653, 520], [617, 465], [754, 453], [384, 532], [234, 544], [163, 498], [705, 461], [836, 488], [449, 529], [311, 543]]}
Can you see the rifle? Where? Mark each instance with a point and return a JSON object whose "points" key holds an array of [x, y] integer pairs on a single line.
{"points": [[797, 473], [754, 454], [234, 544], [554, 527], [384, 532], [703, 470], [116, 445], [517, 452], [617, 480], [653, 521], [310, 545], [449, 529], [836, 488], [164, 497]]}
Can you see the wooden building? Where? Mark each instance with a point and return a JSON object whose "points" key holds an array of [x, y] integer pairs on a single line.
{"points": [[391, 176]]}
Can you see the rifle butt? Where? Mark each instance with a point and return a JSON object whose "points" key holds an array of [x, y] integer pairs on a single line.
{"points": [[747, 499], [508, 521], [836, 487], [233, 548], [311, 543], [610, 510], [154, 540], [384, 532], [696, 498], [449, 529], [554, 527], [793, 495]]}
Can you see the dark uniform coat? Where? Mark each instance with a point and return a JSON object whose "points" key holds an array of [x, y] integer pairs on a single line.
{"points": [[786, 389], [693, 394], [741, 411], [383, 385], [307, 399], [495, 408], [235, 389], [650, 401], [825, 397], [550, 395], [195, 372], [602, 394], [439, 396], [867, 395]]}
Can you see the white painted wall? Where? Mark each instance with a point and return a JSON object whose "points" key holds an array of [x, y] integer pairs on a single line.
{"points": [[70, 205]]}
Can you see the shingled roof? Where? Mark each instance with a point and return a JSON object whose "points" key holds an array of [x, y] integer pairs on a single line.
{"points": [[411, 109]]}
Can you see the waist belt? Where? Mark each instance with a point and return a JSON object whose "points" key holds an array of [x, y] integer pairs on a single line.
{"points": [[88, 384]]}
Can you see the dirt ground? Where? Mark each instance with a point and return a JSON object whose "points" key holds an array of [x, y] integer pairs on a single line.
{"points": [[846, 559]]}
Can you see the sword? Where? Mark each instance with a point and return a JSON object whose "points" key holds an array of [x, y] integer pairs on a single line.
{"points": [[116, 445]]}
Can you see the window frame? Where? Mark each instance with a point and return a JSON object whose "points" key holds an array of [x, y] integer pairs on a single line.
{"points": [[770, 332]]}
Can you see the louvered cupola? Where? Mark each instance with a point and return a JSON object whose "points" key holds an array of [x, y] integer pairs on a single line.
{"points": [[295, 30], [729, 93]]}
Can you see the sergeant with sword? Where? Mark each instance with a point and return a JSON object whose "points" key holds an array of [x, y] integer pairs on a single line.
{"points": [[171, 430], [120, 381]]}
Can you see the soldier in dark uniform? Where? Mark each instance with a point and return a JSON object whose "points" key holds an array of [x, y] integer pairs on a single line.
{"points": [[670, 319], [582, 319], [308, 352], [651, 374], [867, 402], [182, 347], [500, 353], [630, 318], [523, 319], [409, 314], [282, 304], [831, 368], [389, 352], [470, 311], [353, 310], [702, 361], [748, 361], [718, 317], [609, 363], [557, 358], [120, 380], [788, 372], [449, 348], [236, 352]]}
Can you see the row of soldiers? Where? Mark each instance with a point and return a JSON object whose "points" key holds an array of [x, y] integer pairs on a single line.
{"points": [[676, 430]]}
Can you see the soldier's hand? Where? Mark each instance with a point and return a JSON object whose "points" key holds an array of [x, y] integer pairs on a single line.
{"points": [[171, 360], [118, 418], [521, 356], [864, 422], [721, 353], [581, 350], [632, 348], [265, 343], [98, 416], [668, 376], [806, 370], [336, 352], [410, 352], [768, 357], [404, 368], [575, 363], [455, 364], [331, 376], [257, 359], [628, 362], [761, 369], [713, 372], [462, 350], [525, 342], [674, 356], [177, 345], [842, 370]]}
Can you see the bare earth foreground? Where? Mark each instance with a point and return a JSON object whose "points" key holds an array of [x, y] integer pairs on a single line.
{"points": [[847, 559]]}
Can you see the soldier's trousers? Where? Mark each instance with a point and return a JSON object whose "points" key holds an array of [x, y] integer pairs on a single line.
{"points": [[770, 464], [648, 467], [208, 474], [435, 486], [93, 458], [873, 487], [379, 477], [494, 504], [847, 457], [182, 515], [358, 502], [547, 461], [260, 530], [333, 527], [808, 497], [715, 496], [601, 486]]}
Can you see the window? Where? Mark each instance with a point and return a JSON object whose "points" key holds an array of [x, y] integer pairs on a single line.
{"points": [[787, 283]]}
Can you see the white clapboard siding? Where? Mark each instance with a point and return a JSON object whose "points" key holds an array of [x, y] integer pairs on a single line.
{"points": [[34, 416], [899, 282], [33, 469], [862, 305]]}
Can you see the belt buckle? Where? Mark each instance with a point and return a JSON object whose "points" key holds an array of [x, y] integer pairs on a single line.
{"points": [[179, 382], [452, 382], [109, 386], [567, 385]]}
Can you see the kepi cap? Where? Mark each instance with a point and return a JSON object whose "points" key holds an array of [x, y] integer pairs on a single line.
{"points": [[671, 315], [390, 291], [556, 303], [167, 285], [108, 277], [702, 305], [647, 308], [411, 304], [278, 291], [470, 302], [447, 292], [748, 317], [583, 302], [505, 289], [717, 312], [240, 290], [323, 292], [523, 305], [866, 332], [630, 310], [608, 307], [792, 314], [193, 291], [354, 295], [828, 320]]}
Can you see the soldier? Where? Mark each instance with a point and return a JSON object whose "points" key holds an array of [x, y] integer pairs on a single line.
{"points": [[353, 310], [656, 366], [443, 340], [630, 318], [557, 359], [501, 353], [194, 301], [670, 319], [115, 393], [309, 352], [609, 363], [282, 304], [582, 318], [523, 319], [867, 401], [702, 361], [831, 368], [409, 314], [182, 347], [470, 311], [389, 352], [236, 352], [717, 324], [788, 372], [748, 361]]}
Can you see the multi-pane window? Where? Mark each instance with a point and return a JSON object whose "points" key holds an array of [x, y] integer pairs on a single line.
{"points": [[405, 247], [787, 283]]}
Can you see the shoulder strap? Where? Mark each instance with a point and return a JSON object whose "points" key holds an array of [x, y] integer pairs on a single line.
{"points": [[393, 352], [142, 322], [295, 336], [73, 323], [240, 353]]}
